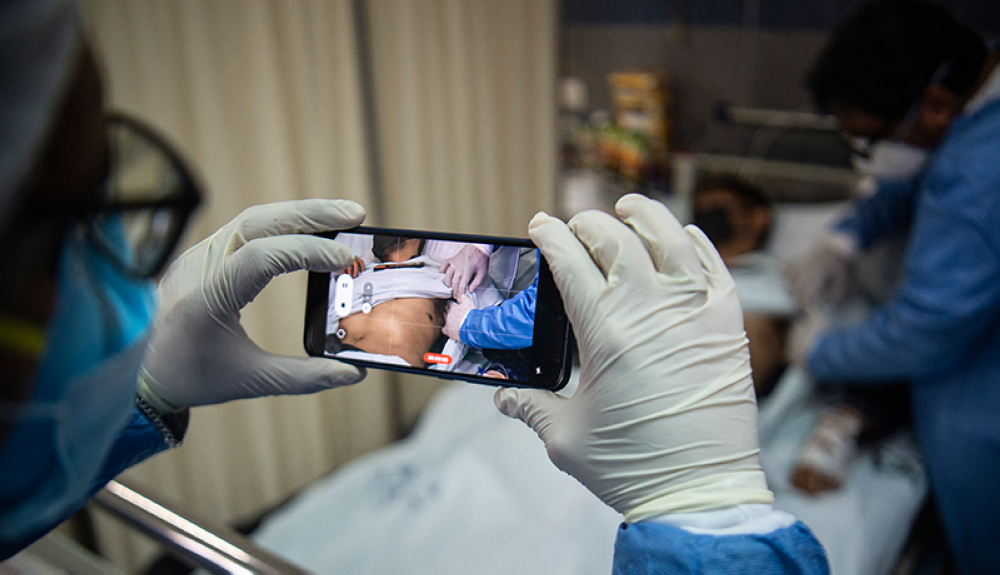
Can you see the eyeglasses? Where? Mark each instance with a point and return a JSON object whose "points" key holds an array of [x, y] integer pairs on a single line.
{"points": [[864, 145], [143, 203]]}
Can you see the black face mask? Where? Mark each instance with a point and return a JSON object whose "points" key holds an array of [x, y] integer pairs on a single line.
{"points": [[716, 224]]}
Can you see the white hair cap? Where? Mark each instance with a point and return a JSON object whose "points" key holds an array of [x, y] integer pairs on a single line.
{"points": [[39, 44]]}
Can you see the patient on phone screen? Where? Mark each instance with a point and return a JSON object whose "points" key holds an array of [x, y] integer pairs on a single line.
{"points": [[406, 326]]}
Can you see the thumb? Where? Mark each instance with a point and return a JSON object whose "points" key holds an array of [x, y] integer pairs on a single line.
{"points": [[254, 265], [535, 407], [290, 375]]}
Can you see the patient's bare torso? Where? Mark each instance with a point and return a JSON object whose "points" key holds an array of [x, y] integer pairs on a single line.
{"points": [[406, 327]]}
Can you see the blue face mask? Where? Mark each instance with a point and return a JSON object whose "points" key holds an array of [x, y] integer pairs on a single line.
{"points": [[83, 394]]}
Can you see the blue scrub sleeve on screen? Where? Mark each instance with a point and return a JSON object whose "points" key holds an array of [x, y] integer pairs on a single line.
{"points": [[138, 441], [509, 325], [657, 549], [889, 209]]}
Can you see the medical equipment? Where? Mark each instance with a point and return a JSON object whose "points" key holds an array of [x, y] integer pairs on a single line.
{"points": [[393, 313]]}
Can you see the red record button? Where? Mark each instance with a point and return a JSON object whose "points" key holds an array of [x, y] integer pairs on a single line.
{"points": [[437, 358]]}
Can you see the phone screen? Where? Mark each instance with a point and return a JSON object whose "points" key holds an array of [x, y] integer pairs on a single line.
{"points": [[442, 304]]}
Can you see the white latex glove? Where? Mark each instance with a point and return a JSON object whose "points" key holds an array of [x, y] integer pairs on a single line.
{"points": [[803, 335], [454, 316], [199, 354], [464, 271], [665, 418], [825, 275]]}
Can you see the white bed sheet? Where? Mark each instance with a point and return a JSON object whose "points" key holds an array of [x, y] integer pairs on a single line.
{"points": [[470, 491], [474, 492]]}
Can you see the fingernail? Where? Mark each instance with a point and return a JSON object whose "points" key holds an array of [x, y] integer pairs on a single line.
{"points": [[506, 401], [539, 219], [351, 209]]}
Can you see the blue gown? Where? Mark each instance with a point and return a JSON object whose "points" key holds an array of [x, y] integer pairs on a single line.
{"points": [[509, 325], [139, 440], [655, 549], [941, 330]]}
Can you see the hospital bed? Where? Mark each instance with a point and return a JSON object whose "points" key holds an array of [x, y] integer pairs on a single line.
{"points": [[471, 491]]}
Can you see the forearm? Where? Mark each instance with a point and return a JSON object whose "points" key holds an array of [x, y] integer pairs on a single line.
{"points": [[875, 217], [507, 326], [746, 538], [945, 304], [140, 440]]}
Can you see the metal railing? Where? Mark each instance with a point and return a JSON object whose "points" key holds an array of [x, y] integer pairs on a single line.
{"points": [[218, 549], [778, 119]]}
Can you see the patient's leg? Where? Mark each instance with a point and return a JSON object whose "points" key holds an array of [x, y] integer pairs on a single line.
{"points": [[406, 327]]}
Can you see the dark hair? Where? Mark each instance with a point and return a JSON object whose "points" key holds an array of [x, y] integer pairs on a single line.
{"points": [[751, 195], [880, 59], [383, 245]]}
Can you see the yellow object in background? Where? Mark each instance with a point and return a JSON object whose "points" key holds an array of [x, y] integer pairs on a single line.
{"points": [[640, 104]]}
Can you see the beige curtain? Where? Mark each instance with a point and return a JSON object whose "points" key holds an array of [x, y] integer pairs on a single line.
{"points": [[264, 98]]}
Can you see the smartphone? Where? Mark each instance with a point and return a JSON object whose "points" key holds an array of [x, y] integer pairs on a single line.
{"points": [[395, 308]]}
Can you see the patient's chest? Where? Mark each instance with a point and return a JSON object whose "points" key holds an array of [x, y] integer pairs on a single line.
{"points": [[406, 327]]}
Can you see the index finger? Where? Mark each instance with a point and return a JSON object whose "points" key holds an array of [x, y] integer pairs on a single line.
{"points": [[293, 217], [670, 246], [574, 272]]}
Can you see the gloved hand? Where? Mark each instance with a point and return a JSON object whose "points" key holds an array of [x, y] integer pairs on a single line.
{"points": [[803, 335], [199, 354], [665, 418], [825, 275], [454, 316], [464, 271]]}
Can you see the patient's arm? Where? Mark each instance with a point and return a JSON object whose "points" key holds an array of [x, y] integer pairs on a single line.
{"points": [[406, 327]]}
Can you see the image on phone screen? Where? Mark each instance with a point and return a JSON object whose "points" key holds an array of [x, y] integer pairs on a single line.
{"points": [[457, 309]]}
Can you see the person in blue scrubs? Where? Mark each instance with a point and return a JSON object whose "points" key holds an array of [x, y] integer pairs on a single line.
{"points": [[508, 326], [662, 426], [910, 71]]}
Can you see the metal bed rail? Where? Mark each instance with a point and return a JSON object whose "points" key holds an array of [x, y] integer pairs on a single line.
{"points": [[216, 548]]}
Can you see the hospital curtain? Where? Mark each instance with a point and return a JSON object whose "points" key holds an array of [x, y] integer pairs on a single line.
{"points": [[264, 98]]}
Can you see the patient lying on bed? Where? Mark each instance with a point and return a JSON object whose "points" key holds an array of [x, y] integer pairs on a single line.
{"points": [[736, 216], [407, 327]]}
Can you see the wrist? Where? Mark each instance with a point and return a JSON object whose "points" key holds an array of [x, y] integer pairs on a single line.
{"points": [[720, 490], [146, 392], [747, 519], [171, 423], [843, 243]]}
